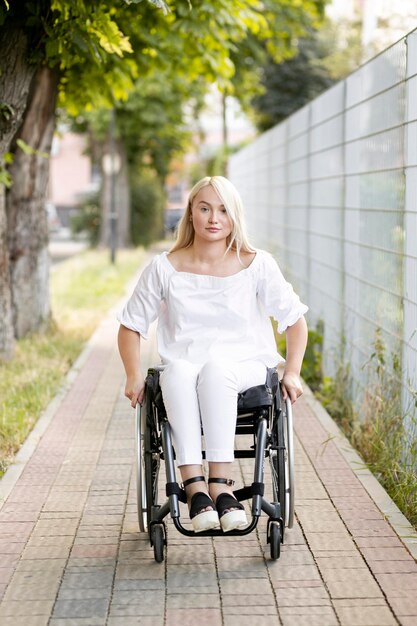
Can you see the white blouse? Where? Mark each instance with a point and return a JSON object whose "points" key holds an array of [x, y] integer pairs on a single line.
{"points": [[202, 317]]}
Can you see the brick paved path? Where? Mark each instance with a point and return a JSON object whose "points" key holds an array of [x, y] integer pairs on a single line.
{"points": [[71, 554]]}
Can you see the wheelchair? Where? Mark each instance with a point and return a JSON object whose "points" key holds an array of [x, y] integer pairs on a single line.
{"points": [[261, 413]]}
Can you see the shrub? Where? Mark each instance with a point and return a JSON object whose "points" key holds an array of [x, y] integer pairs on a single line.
{"points": [[88, 219], [147, 209]]}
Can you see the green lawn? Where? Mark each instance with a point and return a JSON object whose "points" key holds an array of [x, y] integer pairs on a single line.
{"points": [[83, 289]]}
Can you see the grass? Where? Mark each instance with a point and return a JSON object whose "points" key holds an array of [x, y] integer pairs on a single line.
{"points": [[377, 427], [82, 291]]}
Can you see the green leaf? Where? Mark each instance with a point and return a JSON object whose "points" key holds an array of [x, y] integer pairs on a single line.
{"points": [[25, 147], [5, 178], [6, 110]]}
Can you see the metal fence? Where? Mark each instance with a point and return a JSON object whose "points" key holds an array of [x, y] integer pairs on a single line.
{"points": [[332, 193]]}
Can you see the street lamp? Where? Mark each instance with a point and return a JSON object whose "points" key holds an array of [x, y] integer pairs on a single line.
{"points": [[111, 166]]}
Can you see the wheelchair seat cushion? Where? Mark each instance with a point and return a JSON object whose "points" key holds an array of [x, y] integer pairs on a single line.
{"points": [[261, 395]]}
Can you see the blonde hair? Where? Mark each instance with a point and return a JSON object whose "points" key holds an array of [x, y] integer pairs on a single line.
{"points": [[231, 199]]}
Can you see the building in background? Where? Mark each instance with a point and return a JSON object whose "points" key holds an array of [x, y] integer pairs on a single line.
{"points": [[71, 177]]}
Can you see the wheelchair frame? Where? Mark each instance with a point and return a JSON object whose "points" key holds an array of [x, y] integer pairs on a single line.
{"points": [[261, 412]]}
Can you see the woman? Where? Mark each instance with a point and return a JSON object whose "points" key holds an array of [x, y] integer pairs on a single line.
{"points": [[213, 295]]}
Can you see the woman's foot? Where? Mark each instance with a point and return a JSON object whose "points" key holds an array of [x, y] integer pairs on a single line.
{"points": [[203, 512], [231, 512]]}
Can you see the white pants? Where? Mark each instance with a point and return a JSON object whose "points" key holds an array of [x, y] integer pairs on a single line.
{"points": [[205, 396]]}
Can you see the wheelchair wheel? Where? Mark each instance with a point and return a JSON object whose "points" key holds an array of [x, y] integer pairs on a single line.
{"points": [[282, 461], [147, 463], [158, 542], [274, 540], [277, 460], [289, 435]]}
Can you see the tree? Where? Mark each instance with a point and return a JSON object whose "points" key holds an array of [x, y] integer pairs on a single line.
{"points": [[86, 55], [48, 49], [292, 84]]}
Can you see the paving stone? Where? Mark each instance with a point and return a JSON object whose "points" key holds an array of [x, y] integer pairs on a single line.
{"points": [[354, 589], [365, 616], [143, 620], [342, 574], [312, 609], [195, 579], [38, 590], [94, 550], [197, 600], [42, 541], [207, 590], [91, 608], [137, 609], [392, 567], [407, 621], [80, 564], [87, 580], [190, 617], [46, 552], [395, 584], [35, 620], [298, 584], [406, 605], [247, 586], [388, 554], [309, 620], [9, 560], [243, 565], [150, 597], [304, 596], [78, 621], [5, 574], [293, 572], [250, 600], [46, 566], [330, 541], [135, 573], [138, 585], [69, 593], [29, 608], [246, 611], [343, 560]]}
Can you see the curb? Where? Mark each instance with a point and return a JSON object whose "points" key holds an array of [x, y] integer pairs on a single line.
{"points": [[375, 490]]}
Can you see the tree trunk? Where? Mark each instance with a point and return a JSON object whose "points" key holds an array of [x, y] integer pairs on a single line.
{"points": [[6, 325], [15, 79], [25, 205], [123, 195]]}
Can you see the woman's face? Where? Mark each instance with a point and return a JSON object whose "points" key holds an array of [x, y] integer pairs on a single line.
{"points": [[210, 219]]}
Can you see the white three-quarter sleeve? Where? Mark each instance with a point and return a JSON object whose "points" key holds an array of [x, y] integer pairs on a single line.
{"points": [[277, 295], [144, 305]]}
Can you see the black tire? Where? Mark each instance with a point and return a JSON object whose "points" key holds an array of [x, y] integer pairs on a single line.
{"points": [[158, 541], [277, 460], [275, 540], [147, 462], [289, 464]]}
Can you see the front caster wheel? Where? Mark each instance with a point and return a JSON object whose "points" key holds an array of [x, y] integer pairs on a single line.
{"points": [[274, 539], [158, 542]]}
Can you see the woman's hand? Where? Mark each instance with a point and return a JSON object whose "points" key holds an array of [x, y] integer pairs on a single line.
{"points": [[291, 386], [134, 389]]}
